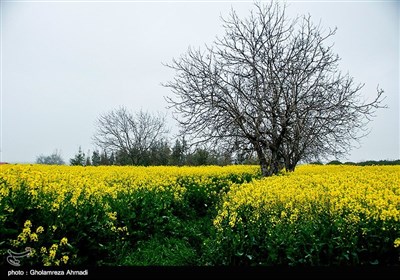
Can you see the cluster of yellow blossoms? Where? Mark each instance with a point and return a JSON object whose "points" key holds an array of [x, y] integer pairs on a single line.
{"points": [[371, 192], [47, 256], [107, 180], [353, 192], [51, 187]]}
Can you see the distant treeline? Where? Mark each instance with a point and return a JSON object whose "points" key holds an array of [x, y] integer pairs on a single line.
{"points": [[177, 155], [162, 154], [363, 163]]}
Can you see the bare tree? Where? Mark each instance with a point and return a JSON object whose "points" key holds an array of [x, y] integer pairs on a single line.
{"points": [[53, 159], [273, 86], [133, 135]]}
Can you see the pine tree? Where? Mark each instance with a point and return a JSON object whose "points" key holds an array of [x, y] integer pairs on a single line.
{"points": [[96, 158], [104, 158], [79, 158]]}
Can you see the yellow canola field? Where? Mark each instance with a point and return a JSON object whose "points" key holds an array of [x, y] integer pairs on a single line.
{"points": [[350, 192], [363, 202], [96, 182], [372, 191]]}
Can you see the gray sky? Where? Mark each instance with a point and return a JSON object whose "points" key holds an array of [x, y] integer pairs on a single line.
{"points": [[63, 63]]}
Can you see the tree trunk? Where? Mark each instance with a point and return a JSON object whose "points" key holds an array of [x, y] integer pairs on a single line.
{"points": [[290, 163], [264, 167], [275, 166], [290, 167], [268, 167], [262, 160]]}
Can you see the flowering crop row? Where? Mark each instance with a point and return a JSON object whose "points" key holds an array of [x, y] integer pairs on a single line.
{"points": [[103, 180], [102, 210], [316, 215]]}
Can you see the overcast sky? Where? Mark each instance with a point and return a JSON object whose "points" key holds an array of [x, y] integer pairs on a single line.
{"points": [[63, 63]]}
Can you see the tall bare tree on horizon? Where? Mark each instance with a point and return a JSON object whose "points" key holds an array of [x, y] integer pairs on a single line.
{"points": [[271, 85], [132, 134]]}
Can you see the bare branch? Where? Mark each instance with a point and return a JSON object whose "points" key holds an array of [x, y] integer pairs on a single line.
{"points": [[274, 85], [132, 134]]}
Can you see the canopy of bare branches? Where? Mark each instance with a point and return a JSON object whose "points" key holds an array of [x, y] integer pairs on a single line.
{"points": [[272, 86]]}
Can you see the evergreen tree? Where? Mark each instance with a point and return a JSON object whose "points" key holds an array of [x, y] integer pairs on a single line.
{"points": [[104, 158], [200, 157], [111, 159], [88, 161], [96, 158], [179, 152], [79, 158]]}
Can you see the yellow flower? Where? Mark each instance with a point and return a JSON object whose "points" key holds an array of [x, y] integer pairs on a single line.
{"points": [[52, 254], [28, 224], [65, 259], [32, 252], [397, 243], [40, 229], [34, 237], [22, 238], [26, 231], [112, 216], [55, 206], [122, 229], [64, 241], [53, 251], [54, 247], [43, 250]]}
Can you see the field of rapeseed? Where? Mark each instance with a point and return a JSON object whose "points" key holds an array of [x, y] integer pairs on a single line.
{"points": [[99, 215], [317, 215]]}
